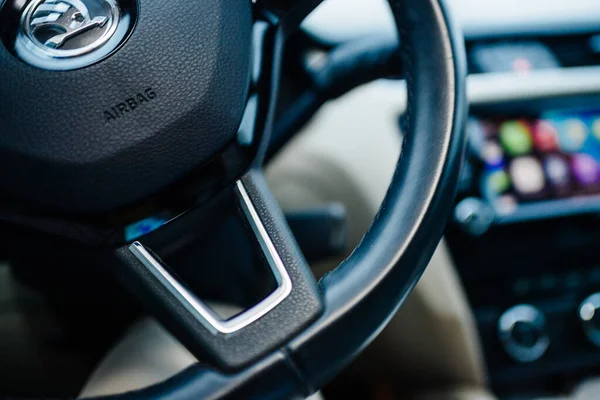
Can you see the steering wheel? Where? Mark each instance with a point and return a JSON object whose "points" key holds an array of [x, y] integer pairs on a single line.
{"points": [[176, 112]]}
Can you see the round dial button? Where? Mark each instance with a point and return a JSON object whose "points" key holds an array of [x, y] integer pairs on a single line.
{"points": [[590, 318], [474, 216], [522, 332]]}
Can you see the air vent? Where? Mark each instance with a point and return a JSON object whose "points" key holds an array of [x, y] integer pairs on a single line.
{"points": [[533, 53], [576, 51]]}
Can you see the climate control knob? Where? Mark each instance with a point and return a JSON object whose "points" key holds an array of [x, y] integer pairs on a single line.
{"points": [[522, 332], [589, 314]]}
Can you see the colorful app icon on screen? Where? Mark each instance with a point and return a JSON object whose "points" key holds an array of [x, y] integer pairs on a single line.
{"points": [[585, 169], [545, 136], [490, 128], [497, 182], [527, 175], [557, 170], [572, 135], [515, 137], [492, 154], [143, 227], [596, 128], [506, 204]]}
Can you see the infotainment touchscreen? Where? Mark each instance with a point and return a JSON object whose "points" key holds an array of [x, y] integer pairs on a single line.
{"points": [[539, 167]]}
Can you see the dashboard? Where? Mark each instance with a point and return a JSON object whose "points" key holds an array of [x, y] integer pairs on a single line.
{"points": [[525, 232], [337, 21]]}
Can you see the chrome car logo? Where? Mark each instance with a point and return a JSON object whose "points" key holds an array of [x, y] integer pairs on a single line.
{"points": [[53, 24], [64, 29]]}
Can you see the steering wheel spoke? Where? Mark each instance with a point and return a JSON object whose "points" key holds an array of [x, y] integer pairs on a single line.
{"points": [[289, 13], [235, 342]]}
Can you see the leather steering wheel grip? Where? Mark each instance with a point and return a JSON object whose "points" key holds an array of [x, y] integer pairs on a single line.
{"points": [[363, 293]]}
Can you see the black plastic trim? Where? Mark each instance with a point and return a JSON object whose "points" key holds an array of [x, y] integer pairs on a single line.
{"points": [[232, 351]]}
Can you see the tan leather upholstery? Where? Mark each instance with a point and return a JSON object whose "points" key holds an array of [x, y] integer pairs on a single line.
{"points": [[588, 390], [347, 154], [454, 393], [146, 355], [432, 341]]}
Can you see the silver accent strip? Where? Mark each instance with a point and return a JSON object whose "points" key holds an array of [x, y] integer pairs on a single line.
{"points": [[503, 87], [198, 308], [492, 88]]}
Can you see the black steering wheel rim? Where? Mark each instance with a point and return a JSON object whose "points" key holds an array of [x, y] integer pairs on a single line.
{"points": [[362, 294], [315, 329]]}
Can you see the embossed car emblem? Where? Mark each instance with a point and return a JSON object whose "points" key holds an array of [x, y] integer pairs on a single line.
{"points": [[53, 24], [55, 30]]}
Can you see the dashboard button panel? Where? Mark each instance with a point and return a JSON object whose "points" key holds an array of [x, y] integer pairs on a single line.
{"points": [[522, 332]]}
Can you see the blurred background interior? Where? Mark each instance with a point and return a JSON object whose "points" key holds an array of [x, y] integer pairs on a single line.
{"points": [[507, 307]]}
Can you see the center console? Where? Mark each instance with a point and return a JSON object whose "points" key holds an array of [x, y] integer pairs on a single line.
{"points": [[525, 234], [532, 287]]}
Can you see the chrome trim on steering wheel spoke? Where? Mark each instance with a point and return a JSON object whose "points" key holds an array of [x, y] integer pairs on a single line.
{"points": [[196, 306]]}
